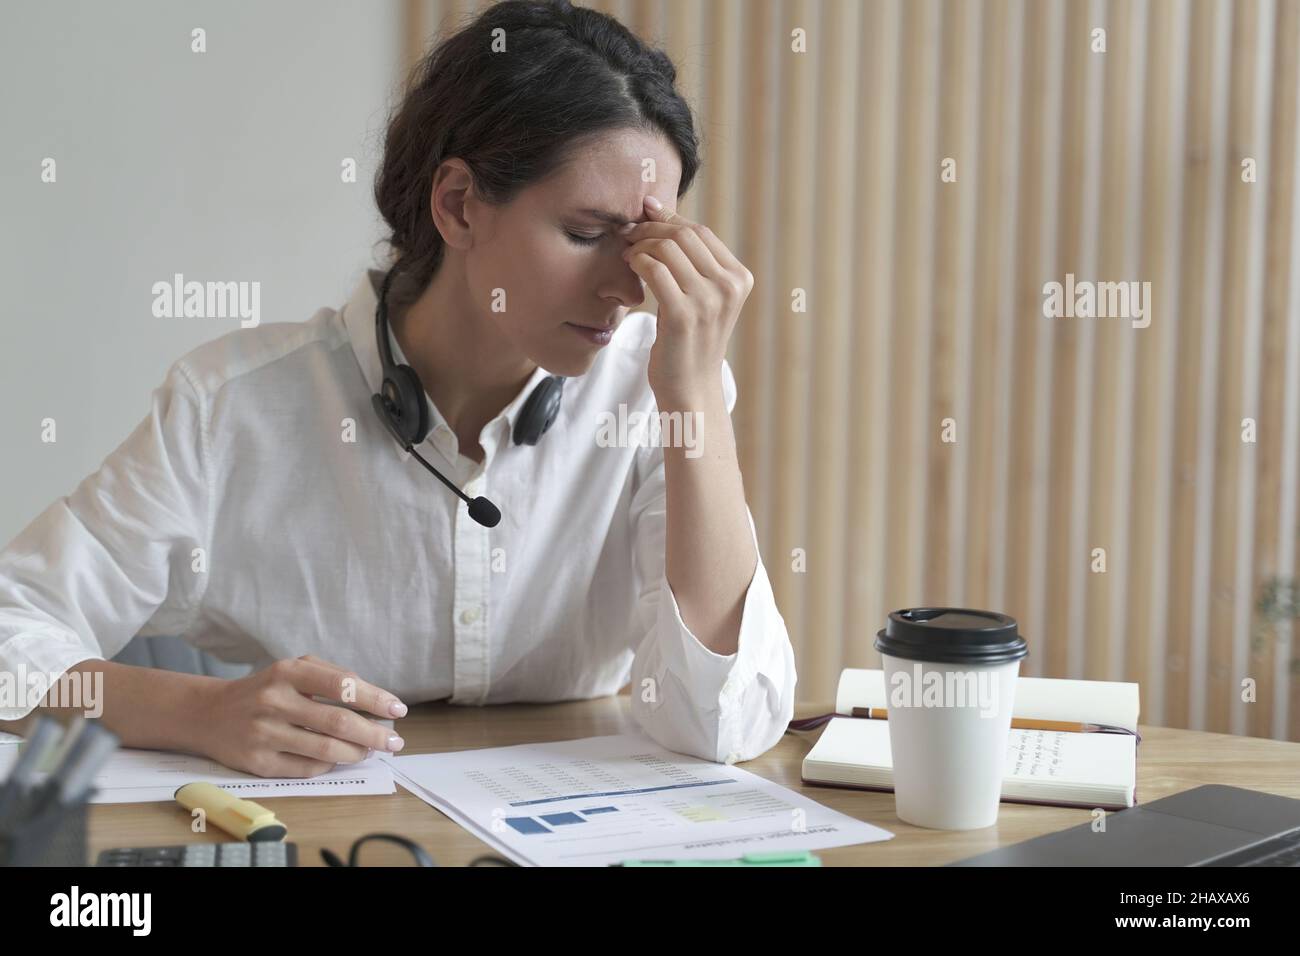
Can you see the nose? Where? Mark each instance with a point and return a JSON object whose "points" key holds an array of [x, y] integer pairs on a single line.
{"points": [[628, 287]]}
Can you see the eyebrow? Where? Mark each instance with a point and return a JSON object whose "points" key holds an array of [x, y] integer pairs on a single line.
{"points": [[611, 217]]}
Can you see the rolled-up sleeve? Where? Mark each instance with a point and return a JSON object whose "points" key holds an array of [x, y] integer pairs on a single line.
{"points": [[83, 577], [684, 696]]}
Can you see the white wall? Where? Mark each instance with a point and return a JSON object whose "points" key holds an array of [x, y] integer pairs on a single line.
{"points": [[223, 166]]}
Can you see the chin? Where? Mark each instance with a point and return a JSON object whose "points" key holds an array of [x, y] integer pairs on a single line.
{"points": [[567, 358], [570, 366]]}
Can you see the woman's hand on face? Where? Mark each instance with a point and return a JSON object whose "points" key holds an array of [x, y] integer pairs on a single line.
{"points": [[267, 723], [700, 287]]}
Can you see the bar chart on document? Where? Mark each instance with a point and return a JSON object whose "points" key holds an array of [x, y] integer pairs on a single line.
{"points": [[681, 795], [603, 800]]}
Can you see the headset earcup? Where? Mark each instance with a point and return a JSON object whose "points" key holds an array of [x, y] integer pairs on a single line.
{"points": [[412, 403], [539, 411]]}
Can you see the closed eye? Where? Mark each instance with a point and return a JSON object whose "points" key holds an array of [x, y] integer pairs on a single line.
{"points": [[583, 240]]}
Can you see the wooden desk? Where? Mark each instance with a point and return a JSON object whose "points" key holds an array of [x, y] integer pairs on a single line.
{"points": [[1169, 761]]}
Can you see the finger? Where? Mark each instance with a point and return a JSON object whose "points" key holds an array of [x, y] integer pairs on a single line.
{"points": [[653, 217], [312, 676], [342, 724], [343, 673], [690, 241], [296, 766], [316, 746], [724, 256], [661, 214], [673, 256], [319, 660], [660, 280], [349, 688]]}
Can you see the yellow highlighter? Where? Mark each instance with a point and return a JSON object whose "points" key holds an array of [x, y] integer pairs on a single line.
{"points": [[243, 819]]}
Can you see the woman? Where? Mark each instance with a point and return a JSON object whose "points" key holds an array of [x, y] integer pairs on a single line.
{"points": [[264, 511]]}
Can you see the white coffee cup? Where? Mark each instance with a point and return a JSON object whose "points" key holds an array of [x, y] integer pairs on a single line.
{"points": [[950, 678]]}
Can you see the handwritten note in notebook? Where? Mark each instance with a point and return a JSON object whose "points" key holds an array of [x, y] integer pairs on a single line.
{"points": [[1042, 766]]}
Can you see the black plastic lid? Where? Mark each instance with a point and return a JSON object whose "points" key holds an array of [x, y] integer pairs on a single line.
{"points": [[951, 635]]}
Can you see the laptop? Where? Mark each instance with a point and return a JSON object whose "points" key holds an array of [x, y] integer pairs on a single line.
{"points": [[1209, 826]]}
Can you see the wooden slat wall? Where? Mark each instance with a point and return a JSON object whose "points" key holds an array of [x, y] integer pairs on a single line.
{"points": [[924, 303]]}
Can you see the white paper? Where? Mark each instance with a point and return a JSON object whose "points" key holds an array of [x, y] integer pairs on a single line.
{"points": [[143, 776], [146, 776], [603, 800]]}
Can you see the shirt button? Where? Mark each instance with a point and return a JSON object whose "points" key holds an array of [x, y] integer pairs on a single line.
{"points": [[732, 757], [469, 615]]}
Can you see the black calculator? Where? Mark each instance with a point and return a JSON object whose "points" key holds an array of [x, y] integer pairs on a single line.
{"points": [[257, 853]]}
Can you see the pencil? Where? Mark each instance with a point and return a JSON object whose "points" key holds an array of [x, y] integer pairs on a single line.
{"points": [[1021, 723]]}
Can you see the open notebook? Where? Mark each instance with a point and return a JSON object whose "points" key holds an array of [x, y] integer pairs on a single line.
{"points": [[1058, 768]]}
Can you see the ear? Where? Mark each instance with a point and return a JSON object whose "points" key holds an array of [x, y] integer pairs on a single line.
{"points": [[453, 185]]}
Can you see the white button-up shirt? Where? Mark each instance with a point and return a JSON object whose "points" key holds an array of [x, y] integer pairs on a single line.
{"points": [[262, 511]]}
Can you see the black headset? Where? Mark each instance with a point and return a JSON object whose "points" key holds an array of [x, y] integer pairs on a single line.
{"points": [[401, 406]]}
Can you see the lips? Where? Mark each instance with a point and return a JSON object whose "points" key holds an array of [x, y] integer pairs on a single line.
{"points": [[594, 336], [605, 328]]}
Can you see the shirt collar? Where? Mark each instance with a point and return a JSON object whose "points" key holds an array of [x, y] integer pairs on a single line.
{"points": [[359, 319]]}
